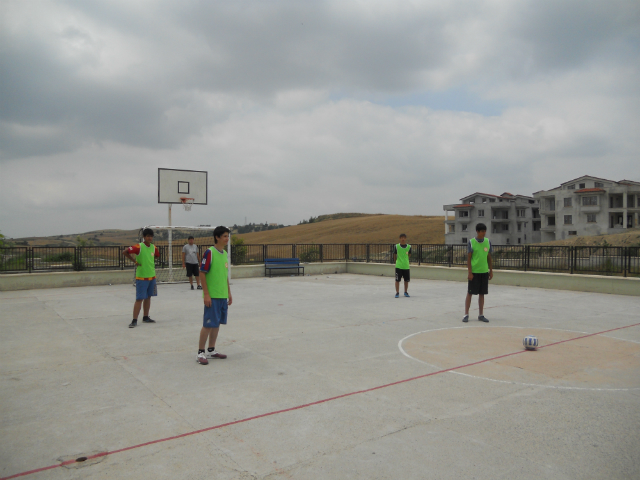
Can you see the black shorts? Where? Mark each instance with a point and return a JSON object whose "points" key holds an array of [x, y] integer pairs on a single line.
{"points": [[400, 274], [192, 269], [480, 284]]}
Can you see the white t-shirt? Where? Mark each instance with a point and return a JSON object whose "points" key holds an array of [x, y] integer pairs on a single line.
{"points": [[191, 253]]}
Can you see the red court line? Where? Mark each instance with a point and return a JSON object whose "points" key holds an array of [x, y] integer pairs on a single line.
{"points": [[330, 399]]}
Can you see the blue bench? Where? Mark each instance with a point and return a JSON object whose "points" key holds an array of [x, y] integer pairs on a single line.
{"points": [[282, 264]]}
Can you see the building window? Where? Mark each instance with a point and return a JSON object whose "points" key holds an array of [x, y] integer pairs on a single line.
{"points": [[507, 241], [536, 226], [484, 200], [599, 184], [521, 212], [519, 241], [552, 205], [551, 221], [525, 237], [591, 218], [519, 227], [505, 227], [492, 200], [463, 213], [582, 185], [567, 202], [464, 228], [481, 213], [464, 240], [630, 201], [591, 200], [571, 187], [573, 232], [568, 219], [452, 229]]}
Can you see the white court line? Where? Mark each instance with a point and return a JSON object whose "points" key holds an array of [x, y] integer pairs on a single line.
{"points": [[506, 381]]}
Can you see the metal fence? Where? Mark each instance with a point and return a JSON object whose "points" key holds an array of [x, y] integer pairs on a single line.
{"points": [[60, 259], [619, 261]]}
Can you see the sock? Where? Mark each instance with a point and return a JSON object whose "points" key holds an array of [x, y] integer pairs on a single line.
{"points": [[200, 351], [211, 349]]}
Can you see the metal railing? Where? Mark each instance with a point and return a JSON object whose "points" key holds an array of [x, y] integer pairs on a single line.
{"points": [[607, 260]]}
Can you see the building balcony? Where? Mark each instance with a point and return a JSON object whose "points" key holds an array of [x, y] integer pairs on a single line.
{"points": [[548, 228], [590, 208], [463, 219], [500, 220]]}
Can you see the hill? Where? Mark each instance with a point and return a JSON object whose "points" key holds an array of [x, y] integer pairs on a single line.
{"points": [[98, 237], [336, 228], [630, 238], [355, 229]]}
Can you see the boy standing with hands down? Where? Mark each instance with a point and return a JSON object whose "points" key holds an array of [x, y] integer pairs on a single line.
{"points": [[214, 279], [480, 268], [401, 254], [190, 261]]}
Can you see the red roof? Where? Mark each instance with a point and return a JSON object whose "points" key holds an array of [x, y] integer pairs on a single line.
{"points": [[589, 190], [464, 205]]}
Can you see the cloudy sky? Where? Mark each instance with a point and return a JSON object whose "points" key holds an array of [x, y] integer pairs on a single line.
{"points": [[305, 108]]}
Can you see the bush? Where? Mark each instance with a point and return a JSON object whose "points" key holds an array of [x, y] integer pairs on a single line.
{"points": [[59, 257], [238, 251], [310, 255]]}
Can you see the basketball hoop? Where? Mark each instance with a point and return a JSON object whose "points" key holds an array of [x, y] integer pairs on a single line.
{"points": [[187, 203]]}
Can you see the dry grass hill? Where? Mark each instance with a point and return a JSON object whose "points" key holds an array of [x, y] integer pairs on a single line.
{"points": [[361, 229], [336, 228], [97, 237]]}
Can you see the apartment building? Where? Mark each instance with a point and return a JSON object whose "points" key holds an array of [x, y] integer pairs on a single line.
{"points": [[588, 206], [510, 219]]}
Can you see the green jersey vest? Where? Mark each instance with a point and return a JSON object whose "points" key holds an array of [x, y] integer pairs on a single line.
{"points": [[479, 263], [217, 275], [146, 259], [402, 260]]}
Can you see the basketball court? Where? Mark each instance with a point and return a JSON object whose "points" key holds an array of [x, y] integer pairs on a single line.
{"points": [[326, 377]]}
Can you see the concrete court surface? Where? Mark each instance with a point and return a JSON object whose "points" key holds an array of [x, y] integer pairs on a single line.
{"points": [[75, 381]]}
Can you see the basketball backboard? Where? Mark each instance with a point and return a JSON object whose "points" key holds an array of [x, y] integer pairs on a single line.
{"points": [[175, 184]]}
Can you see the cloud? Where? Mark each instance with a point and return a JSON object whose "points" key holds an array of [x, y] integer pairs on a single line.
{"points": [[299, 109]]}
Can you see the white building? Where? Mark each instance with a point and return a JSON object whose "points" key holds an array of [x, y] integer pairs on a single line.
{"points": [[588, 206], [510, 219]]}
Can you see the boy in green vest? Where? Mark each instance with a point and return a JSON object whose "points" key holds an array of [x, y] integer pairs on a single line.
{"points": [[480, 270], [401, 254], [145, 275], [214, 279]]}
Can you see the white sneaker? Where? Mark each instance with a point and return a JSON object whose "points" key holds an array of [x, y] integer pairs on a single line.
{"points": [[202, 359]]}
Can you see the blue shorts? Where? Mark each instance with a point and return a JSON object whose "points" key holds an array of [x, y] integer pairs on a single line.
{"points": [[146, 289], [216, 314]]}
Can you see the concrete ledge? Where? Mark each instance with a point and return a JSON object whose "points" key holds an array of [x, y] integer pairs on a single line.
{"points": [[556, 281], [35, 281]]}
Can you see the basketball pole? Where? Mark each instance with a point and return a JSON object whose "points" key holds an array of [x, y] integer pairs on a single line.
{"points": [[170, 248]]}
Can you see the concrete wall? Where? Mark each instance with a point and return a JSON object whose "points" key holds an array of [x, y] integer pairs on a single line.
{"points": [[558, 281], [34, 281]]}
